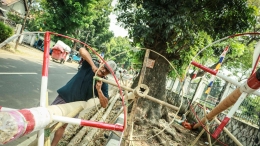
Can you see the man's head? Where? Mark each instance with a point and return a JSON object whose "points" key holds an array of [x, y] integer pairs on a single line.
{"points": [[107, 68]]}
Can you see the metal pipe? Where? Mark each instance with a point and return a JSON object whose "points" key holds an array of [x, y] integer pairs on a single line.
{"points": [[44, 83], [222, 76], [81, 122]]}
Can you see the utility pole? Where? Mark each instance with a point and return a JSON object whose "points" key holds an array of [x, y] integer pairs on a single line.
{"points": [[24, 21]]}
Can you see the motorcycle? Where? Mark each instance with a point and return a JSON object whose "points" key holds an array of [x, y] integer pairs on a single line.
{"points": [[74, 57]]}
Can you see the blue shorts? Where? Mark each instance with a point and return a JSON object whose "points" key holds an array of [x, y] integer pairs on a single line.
{"points": [[58, 100]]}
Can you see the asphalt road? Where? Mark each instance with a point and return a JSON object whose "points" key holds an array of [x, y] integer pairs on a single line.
{"points": [[20, 80]]}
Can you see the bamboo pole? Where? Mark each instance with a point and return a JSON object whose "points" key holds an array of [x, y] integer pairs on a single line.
{"points": [[129, 131], [91, 133], [77, 138], [47, 139], [136, 89], [207, 127], [65, 109], [126, 102], [71, 129], [197, 138], [113, 121], [203, 130]]}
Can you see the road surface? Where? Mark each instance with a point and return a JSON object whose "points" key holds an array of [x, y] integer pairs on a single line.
{"points": [[20, 80]]}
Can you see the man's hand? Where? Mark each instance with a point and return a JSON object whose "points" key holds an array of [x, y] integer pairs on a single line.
{"points": [[99, 85], [102, 99], [94, 69]]}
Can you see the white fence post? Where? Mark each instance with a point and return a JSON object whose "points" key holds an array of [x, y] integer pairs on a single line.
{"points": [[175, 85], [200, 89]]}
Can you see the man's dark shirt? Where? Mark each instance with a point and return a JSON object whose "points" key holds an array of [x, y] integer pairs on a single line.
{"points": [[80, 87]]}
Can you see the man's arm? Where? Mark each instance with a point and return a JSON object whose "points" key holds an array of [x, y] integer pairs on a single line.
{"points": [[86, 56], [102, 98]]}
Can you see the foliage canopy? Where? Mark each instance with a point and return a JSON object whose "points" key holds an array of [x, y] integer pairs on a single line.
{"points": [[178, 29]]}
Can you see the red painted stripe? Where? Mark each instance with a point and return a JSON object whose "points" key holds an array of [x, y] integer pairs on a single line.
{"points": [[194, 76], [29, 119], [220, 127], [211, 71], [253, 82], [45, 64], [256, 63], [226, 49], [0, 107], [101, 125]]}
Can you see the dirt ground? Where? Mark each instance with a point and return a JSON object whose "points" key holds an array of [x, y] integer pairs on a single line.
{"points": [[144, 134]]}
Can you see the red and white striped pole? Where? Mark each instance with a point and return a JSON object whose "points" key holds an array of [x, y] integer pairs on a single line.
{"points": [[44, 83], [45, 69], [252, 84], [218, 74], [17, 123], [237, 97]]}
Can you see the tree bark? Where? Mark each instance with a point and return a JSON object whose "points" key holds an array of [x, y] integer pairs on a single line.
{"points": [[155, 79], [23, 26]]}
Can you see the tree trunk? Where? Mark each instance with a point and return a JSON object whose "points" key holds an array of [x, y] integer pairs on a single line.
{"points": [[155, 79], [23, 26]]}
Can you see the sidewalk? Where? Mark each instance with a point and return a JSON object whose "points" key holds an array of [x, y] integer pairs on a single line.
{"points": [[23, 50]]}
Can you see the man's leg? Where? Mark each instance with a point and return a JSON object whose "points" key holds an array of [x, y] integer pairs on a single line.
{"points": [[58, 134]]}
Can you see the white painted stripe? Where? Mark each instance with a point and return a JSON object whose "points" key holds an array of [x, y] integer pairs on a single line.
{"points": [[40, 137], [226, 78], [41, 117], [66, 120], [43, 91], [18, 73], [5, 109], [43, 102], [71, 73]]}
